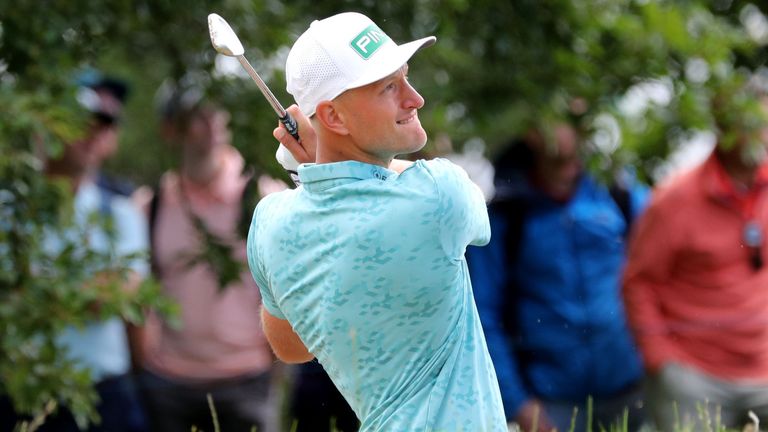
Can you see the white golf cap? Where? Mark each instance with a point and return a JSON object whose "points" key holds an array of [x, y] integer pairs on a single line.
{"points": [[339, 53]]}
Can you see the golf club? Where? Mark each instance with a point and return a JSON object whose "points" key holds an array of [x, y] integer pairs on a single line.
{"points": [[226, 42]]}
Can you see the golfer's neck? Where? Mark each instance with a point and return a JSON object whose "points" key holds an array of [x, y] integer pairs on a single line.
{"points": [[344, 150]]}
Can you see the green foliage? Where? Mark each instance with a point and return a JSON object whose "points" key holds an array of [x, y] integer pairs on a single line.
{"points": [[703, 421], [498, 67], [43, 290], [218, 253]]}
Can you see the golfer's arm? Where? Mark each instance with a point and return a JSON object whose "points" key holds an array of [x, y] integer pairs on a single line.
{"points": [[286, 344]]}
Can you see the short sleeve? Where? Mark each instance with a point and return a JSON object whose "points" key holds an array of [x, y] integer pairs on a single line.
{"points": [[256, 264], [464, 215]]}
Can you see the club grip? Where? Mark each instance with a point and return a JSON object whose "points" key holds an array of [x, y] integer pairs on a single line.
{"points": [[290, 125], [285, 158]]}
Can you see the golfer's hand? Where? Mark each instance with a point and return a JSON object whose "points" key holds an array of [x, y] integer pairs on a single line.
{"points": [[303, 151]]}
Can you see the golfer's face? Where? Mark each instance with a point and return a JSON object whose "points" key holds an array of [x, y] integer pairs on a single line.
{"points": [[383, 118]]}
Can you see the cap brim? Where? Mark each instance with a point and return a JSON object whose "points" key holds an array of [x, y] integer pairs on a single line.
{"points": [[387, 65]]}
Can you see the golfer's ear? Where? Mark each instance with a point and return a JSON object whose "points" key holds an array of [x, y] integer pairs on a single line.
{"points": [[329, 115]]}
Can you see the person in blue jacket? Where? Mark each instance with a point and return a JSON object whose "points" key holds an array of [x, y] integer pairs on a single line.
{"points": [[548, 287]]}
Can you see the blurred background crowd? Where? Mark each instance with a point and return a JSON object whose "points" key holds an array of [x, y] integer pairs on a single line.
{"points": [[621, 147]]}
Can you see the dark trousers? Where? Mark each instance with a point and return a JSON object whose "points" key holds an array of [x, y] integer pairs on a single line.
{"points": [[240, 403], [120, 410], [316, 405], [606, 412]]}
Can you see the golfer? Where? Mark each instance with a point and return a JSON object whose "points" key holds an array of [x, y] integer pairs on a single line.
{"points": [[363, 265]]}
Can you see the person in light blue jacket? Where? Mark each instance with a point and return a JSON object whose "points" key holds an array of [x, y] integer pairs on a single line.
{"points": [[99, 347], [548, 287]]}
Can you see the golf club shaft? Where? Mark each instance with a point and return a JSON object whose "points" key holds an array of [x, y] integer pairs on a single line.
{"points": [[288, 121]]}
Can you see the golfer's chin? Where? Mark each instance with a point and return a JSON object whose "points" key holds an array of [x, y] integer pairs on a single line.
{"points": [[414, 140]]}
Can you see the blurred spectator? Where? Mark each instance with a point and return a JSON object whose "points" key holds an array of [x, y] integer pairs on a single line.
{"points": [[548, 287], [198, 218], [316, 405], [102, 347], [695, 283]]}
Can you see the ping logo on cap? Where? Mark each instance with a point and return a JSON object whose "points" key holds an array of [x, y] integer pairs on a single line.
{"points": [[368, 41]]}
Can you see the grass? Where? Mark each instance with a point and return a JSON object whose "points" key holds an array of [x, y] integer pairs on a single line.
{"points": [[215, 417], [705, 421], [33, 424]]}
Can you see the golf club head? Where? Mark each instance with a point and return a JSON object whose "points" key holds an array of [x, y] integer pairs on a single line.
{"points": [[223, 38]]}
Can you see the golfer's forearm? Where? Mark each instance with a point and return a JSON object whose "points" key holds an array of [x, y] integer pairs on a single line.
{"points": [[285, 343]]}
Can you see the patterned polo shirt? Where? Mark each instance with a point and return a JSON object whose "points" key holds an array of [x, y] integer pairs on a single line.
{"points": [[368, 267]]}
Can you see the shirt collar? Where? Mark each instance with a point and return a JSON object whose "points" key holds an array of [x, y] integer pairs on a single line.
{"points": [[320, 177]]}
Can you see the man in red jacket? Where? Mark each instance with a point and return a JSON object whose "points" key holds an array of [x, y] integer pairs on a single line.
{"points": [[696, 287]]}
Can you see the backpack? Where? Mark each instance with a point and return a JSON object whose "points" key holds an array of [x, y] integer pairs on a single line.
{"points": [[248, 200], [514, 211], [109, 188]]}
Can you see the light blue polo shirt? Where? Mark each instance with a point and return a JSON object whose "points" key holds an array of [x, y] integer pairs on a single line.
{"points": [[368, 267], [102, 346]]}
